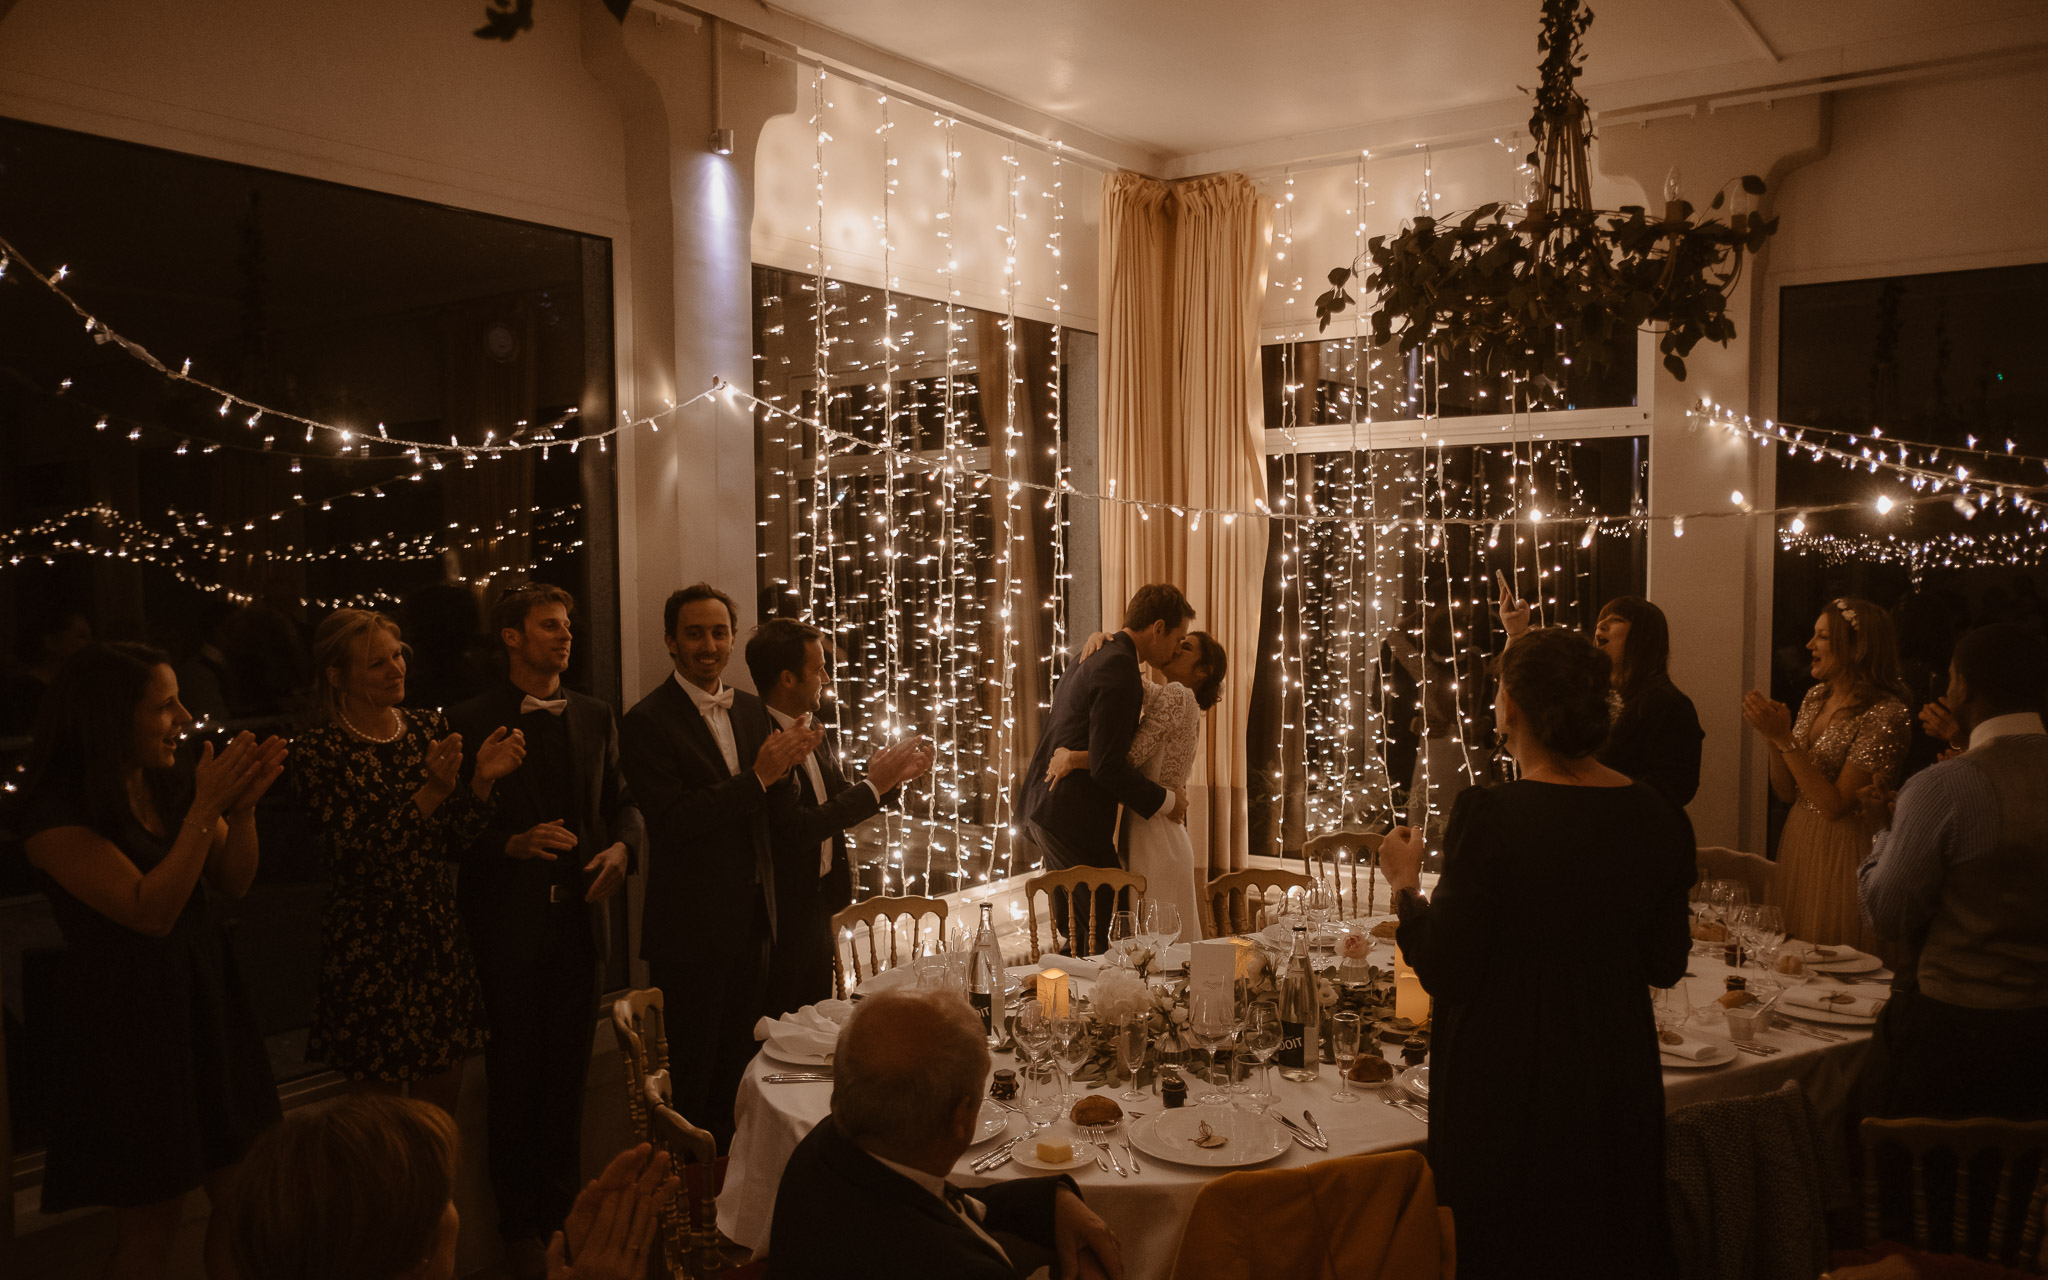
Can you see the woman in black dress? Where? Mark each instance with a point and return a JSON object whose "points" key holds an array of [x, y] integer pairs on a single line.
{"points": [[1562, 901], [398, 1004], [1654, 734], [162, 1081]]}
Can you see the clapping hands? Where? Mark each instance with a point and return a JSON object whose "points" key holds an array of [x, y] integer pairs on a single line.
{"points": [[220, 782], [612, 1224], [1771, 719], [898, 763], [502, 752], [784, 748]]}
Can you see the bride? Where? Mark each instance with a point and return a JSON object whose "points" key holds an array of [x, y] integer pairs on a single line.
{"points": [[1164, 748]]}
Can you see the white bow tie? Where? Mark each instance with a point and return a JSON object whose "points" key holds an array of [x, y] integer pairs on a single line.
{"points": [[553, 707], [722, 699]]}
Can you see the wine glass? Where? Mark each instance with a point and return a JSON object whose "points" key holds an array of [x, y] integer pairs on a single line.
{"points": [[1123, 931], [1212, 1021], [1070, 1041], [1162, 923], [1318, 901], [1133, 1038], [1344, 1028], [1262, 1036], [1032, 1030]]}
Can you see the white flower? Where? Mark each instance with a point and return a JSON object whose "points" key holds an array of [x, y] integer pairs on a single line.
{"points": [[1120, 994], [1326, 992]]}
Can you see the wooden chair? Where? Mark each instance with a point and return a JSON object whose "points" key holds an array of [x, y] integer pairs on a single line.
{"points": [[1345, 851], [643, 1044], [1969, 1143], [1228, 904], [1752, 869], [879, 915], [1075, 882], [691, 1242]]}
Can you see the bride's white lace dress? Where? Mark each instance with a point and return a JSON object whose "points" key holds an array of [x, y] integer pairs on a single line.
{"points": [[1160, 851]]}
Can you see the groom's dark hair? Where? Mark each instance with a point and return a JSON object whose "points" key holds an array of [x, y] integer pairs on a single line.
{"points": [[1157, 602]]}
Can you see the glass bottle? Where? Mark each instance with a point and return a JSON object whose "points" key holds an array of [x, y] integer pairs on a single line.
{"points": [[1301, 1016], [985, 977]]}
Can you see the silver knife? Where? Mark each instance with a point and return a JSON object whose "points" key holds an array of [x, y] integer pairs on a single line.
{"points": [[798, 1078], [1301, 1135], [1320, 1135]]}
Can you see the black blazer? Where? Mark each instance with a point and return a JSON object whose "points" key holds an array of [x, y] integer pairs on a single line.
{"points": [[1095, 709], [1656, 740], [840, 1212], [503, 900], [801, 825], [708, 847]]}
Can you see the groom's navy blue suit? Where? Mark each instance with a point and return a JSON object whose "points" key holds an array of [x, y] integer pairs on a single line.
{"points": [[1095, 709]]}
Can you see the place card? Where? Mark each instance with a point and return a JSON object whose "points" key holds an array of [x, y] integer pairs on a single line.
{"points": [[1212, 968]]}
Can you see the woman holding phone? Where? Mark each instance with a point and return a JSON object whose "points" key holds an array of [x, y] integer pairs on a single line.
{"points": [[1654, 733]]}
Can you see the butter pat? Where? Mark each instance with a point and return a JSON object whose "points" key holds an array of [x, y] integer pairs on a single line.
{"points": [[1055, 1152]]}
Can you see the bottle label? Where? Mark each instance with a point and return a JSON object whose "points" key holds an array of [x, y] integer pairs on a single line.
{"points": [[1290, 1054], [984, 1008]]}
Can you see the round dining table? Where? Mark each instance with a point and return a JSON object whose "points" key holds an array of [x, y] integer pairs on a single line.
{"points": [[1149, 1209]]}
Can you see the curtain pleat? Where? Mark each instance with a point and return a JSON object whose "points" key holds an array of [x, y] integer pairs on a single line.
{"points": [[1182, 421]]}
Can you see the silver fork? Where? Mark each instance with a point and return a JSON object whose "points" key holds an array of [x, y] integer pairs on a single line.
{"points": [[1102, 1142]]}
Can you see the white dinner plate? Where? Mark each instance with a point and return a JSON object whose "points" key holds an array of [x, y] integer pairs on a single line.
{"points": [[789, 1058], [1847, 960], [1026, 1150], [1721, 1055], [1169, 1135], [994, 1120], [1824, 1015], [1416, 1081]]}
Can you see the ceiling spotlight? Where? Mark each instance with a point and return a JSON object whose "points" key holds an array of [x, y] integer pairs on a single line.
{"points": [[721, 142]]}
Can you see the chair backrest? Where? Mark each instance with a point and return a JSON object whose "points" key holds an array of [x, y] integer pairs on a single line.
{"points": [[1972, 1144], [1338, 855], [1364, 1217], [880, 916], [693, 1157], [1075, 882], [643, 1044], [1232, 902], [1752, 869]]}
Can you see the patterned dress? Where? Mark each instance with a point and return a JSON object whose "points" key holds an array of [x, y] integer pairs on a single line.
{"points": [[1818, 856], [398, 997], [1160, 848]]}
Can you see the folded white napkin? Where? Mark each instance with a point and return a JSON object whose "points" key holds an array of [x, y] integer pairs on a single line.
{"points": [[1688, 1049], [1072, 966], [810, 1030], [1835, 1000]]}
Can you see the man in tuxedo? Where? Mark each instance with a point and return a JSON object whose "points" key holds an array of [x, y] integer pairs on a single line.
{"points": [[813, 877], [1096, 709], [535, 893], [865, 1195], [704, 763]]}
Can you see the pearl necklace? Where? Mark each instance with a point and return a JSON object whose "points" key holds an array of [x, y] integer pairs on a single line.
{"points": [[371, 737]]}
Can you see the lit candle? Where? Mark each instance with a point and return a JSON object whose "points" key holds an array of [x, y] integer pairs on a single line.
{"points": [[1052, 992], [1410, 1000]]}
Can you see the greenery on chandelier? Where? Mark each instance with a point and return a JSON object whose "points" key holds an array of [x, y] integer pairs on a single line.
{"points": [[1527, 289]]}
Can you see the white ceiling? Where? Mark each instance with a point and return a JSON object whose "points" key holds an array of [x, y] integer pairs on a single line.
{"points": [[1203, 84]]}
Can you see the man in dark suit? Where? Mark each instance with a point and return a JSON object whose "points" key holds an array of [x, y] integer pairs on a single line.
{"points": [[535, 893], [865, 1196], [1096, 709], [706, 768], [813, 876]]}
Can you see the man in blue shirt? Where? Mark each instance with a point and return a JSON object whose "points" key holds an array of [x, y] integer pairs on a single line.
{"points": [[1959, 884]]}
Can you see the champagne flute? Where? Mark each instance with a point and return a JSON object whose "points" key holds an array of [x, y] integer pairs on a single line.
{"points": [[1212, 1020], [1132, 1040], [1344, 1029], [1071, 1042]]}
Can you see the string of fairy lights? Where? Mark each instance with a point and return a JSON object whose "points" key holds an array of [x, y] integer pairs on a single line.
{"points": [[896, 480]]}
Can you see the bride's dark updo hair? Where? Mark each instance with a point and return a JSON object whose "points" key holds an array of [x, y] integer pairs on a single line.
{"points": [[1213, 666], [1558, 679]]}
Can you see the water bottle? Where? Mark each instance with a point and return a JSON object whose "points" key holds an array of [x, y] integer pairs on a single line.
{"points": [[1301, 1016], [985, 977]]}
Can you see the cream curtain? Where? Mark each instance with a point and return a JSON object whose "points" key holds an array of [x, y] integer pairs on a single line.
{"points": [[1182, 422]]}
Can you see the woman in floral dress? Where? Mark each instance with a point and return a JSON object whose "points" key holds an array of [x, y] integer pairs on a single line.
{"points": [[1853, 728], [398, 1003]]}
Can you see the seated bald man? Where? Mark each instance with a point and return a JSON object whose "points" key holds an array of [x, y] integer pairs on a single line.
{"points": [[865, 1195]]}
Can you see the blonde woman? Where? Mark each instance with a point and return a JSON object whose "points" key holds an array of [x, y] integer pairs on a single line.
{"points": [[398, 1003], [1853, 729]]}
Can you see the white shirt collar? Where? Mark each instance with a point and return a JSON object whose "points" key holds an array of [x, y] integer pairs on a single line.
{"points": [[697, 695], [2006, 726], [782, 722]]}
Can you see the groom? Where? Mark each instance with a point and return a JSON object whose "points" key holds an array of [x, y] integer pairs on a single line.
{"points": [[1096, 709]]}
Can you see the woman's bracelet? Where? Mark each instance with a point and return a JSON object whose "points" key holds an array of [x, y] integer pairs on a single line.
{"points": [[204, 824]]}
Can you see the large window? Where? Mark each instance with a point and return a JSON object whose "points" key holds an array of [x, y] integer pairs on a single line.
{"points": [[133, 508], [921, 535]]}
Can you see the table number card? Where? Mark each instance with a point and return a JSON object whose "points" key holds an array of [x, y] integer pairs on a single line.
{"points": [[1212, 967]]}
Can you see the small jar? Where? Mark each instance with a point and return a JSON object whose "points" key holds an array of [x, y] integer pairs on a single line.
{"points": [[1004, 1087], [1414, 1050], [1173, 1091], [1736, 982]]}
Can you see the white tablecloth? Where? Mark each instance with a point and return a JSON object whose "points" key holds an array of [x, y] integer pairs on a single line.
{"points": [[1149, 1210]]}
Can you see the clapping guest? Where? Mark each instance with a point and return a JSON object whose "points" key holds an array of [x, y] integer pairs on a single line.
{"points": [[364, 1190], [1853, 729], [1538, 1066], [866, 1195], [1961, 876], [535, 894], [398, 1004], [813, 877], [163, 1080]]}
